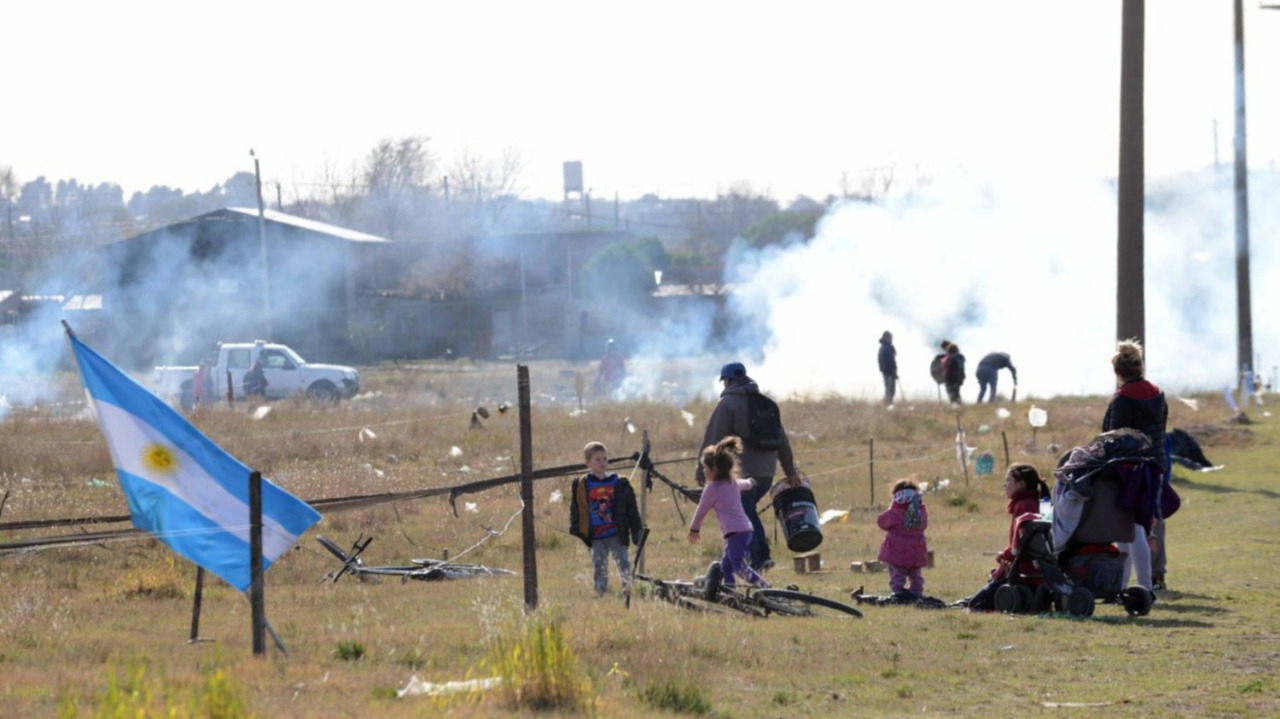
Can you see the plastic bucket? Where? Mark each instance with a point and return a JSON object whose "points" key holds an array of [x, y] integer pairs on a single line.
{"points": [[797, 511]]}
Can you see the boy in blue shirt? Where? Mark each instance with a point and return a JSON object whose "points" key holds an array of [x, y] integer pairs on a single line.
{"points": [[603, 514]]}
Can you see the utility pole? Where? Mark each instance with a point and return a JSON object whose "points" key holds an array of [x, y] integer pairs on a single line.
{"points": [[1130, 283], [1244, 319], [262, 243]]}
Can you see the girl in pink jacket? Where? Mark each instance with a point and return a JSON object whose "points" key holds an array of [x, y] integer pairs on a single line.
{"points": [[723, 493], [904, 548]]}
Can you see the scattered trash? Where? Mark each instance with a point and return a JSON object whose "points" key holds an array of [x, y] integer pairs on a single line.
{"points": [[1003, 413], [375, 470], [1007, 648], [942, 484], [417, 687], [630, 427], [1037, 417], [471, 507], [983, 428], [366, 433], [688, 417], [1074, 705], [578, 412], [1194, 404], [95, 482], [464, 469], [985, 463], [924, 487], [455, 451], [262, 411], [557, 497], [831, 514]]}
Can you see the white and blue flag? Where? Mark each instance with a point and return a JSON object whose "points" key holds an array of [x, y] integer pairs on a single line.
{"points": [[186, 490]]}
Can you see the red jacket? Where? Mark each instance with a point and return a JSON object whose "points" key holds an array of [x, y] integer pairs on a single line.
{"points": [[1022, 503]]}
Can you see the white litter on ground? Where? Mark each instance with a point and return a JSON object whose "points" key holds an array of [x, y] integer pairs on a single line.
{"points": [[831, 514], [455, 451], [417, 687], [262, 411], [1003, 413], [1194, 404], [366, 433], [471, 507], [688, 417], [557, 497]]}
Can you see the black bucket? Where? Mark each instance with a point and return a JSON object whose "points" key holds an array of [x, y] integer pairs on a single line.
{"points": [[797, 511]]}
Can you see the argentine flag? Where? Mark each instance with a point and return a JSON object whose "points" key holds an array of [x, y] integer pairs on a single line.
{"points": [[182, 487]]}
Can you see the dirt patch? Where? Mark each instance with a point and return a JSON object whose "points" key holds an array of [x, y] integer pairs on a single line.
{"points": [[1217, 435]]}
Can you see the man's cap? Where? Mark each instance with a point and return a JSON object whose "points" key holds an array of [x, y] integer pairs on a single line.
{"points": [[733, 370]]}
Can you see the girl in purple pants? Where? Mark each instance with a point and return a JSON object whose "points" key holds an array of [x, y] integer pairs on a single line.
{"points": [[723, 493]]}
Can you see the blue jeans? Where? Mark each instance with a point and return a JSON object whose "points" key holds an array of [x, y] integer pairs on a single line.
{"points": [[601, 550], [759, 546], [987, 376]]}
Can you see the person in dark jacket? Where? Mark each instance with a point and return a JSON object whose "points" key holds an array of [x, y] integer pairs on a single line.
{"points": [[1139, 404], [888, 366], [255, 381], [954, 362], [732, 417], [989, 370], [603, 514]]}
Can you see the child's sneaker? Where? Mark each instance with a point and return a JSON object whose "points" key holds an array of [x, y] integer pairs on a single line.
{"points": [[766, 565]]}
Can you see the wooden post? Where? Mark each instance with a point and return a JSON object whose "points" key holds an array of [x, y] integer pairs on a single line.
{"points": [[526, 491], [195, 607], [1005, 439], [231, 392], [873, 471], [256, 599], [644, 495]]}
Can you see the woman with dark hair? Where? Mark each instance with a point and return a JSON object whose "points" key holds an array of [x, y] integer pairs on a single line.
{"points": [[1024, 488], [1139, 404]]}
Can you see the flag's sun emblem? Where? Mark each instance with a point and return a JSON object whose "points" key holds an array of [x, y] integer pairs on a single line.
{"points": [[159, 459]]}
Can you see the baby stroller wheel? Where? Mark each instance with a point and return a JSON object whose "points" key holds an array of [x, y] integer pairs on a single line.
{"points": [[1007, 599], [711, 588], [1042, 600], [1080, 602], [1026, 598], [1137, 601]]}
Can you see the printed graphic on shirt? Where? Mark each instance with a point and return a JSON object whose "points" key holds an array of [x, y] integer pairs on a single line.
{"points": [[600, 498]]}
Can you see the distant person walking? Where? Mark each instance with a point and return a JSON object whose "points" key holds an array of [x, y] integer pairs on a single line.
{"points": [[888, 366], [613, 369], [743, 411], [953, 364], [989, 371]]}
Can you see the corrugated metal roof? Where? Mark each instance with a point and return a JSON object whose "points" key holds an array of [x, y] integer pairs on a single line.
{"points": [[310, 225]]}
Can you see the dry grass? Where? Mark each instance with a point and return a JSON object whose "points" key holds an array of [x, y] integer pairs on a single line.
{"points": [[66, 614]]}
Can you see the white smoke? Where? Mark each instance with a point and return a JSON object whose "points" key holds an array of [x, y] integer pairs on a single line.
{"points": [[1025, 267]]}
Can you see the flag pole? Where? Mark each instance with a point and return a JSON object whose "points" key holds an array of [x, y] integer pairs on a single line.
{"points": [[256, 599], [195, 607]]}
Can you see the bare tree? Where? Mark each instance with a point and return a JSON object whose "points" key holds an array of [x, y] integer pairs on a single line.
{"points": [[487, 184], [397, 174]]}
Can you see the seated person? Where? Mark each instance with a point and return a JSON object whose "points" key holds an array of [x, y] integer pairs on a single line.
{"points": [[1024, 488]]}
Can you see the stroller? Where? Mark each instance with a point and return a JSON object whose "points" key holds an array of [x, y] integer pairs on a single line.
{"points": [[1102, 489]]}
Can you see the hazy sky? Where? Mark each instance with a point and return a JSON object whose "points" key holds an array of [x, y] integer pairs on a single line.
{"points": [[678, 98]]}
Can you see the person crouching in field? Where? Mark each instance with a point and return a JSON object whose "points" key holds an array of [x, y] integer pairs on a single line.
{"points": [[723, 493], [904, 548], [604, 516], [1024, 488]]}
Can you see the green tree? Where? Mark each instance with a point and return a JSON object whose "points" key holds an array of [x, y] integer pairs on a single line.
{"points": [[623, 271]]}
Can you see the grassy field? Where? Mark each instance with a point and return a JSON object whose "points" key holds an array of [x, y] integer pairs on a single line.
{"points": [[102, 629]]}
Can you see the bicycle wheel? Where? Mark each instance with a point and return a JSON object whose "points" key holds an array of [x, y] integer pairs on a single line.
{"points": [[793, 603]]}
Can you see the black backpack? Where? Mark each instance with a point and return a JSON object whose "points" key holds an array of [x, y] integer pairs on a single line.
{"points": [[938, 370], [764, 428]]}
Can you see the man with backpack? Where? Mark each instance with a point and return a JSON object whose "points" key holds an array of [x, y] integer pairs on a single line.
{"points": [[743, 411]]}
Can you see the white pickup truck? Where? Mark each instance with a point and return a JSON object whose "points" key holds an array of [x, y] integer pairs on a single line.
{"points": [[287, 375]]}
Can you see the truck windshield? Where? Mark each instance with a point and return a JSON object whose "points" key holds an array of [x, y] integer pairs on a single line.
{"points": [[297, 358]]}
